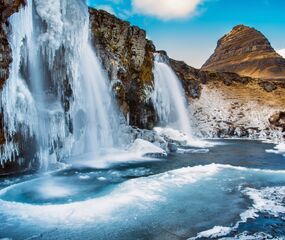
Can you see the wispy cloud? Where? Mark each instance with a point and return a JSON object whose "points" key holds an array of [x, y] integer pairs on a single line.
{"points": [[167, 9]]}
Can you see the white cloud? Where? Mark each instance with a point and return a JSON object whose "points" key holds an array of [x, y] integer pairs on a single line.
{"points": [[282, 52], [166, 9]]}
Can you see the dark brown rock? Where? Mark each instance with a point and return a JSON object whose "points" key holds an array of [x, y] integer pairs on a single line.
{"points": [[193, 79], [126, 54], [268, 86], [247, 52], [8, 7]]}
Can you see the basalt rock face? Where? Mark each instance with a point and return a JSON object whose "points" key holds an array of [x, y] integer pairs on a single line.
{"points": [[247, 52], [127, 55]]}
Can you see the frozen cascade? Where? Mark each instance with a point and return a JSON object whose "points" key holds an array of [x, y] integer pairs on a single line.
{"points": [[169, 98], [17, 102], [57, 92]]}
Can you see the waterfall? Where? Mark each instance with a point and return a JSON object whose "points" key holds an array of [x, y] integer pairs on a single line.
{"points": [[17, 103], [169, 98], [57, 92]]}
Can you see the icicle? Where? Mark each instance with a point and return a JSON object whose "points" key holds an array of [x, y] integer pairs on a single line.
{"points": [[16, 100]]}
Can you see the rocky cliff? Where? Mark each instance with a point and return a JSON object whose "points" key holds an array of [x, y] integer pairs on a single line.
{"points": [[247, 52], [127, 55]]}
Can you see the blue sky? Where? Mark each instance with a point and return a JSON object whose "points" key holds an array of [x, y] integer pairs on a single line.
{"points": [[189, 29]]}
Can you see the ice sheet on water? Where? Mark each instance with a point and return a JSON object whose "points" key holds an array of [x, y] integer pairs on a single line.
{"points": [[269, 200], [215, 232], [138, 192], [256, 236], [191, 150], [278, 149]]}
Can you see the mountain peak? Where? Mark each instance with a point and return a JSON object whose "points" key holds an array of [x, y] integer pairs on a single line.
{"points": [[246, 51]]}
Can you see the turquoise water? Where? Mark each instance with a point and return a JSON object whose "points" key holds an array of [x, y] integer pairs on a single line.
{"points": [[234, 191]]}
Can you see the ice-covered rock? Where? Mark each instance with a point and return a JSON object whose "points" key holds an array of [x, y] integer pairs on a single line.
{"points": [[172, 135], [146, 148]]}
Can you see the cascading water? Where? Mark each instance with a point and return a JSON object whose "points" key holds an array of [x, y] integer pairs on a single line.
{"points": [[57, 92], [169, 98], [102, 125]]}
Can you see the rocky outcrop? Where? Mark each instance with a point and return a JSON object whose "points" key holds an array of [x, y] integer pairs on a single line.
{"points": [[247, 52], [127, 55], [239, 109], [225, 104]]}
